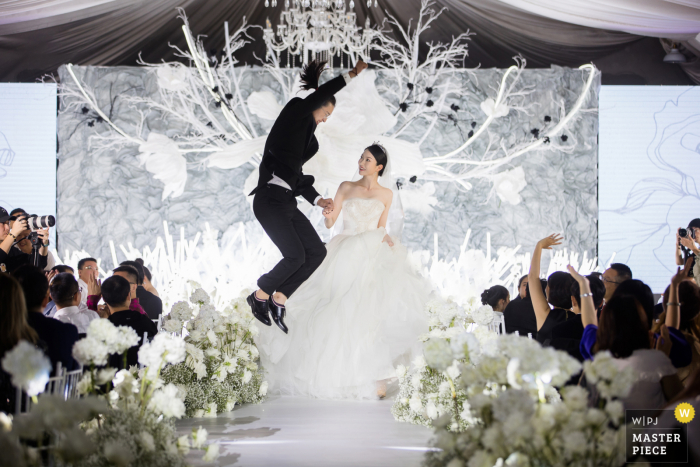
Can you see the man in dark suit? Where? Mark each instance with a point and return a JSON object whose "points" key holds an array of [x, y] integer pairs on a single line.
{"points": [[57, 337], [116, 292], [290, 144]]}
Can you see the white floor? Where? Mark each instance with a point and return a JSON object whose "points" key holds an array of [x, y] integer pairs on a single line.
{"points": [[287, 431]]}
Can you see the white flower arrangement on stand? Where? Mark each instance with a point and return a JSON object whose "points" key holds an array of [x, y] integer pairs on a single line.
{"points": [[220, 368], [512, 414]]}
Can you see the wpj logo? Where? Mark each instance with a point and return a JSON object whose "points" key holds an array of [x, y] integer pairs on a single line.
{"points": [[651, 441]]}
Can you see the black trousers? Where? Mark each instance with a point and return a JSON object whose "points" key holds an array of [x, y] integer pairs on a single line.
{"points": [[303, 251]]}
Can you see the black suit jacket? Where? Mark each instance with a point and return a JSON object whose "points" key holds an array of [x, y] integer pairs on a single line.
{"points": [[58, 337], [151, 304], [291, 142], [142, 325], [519, 316]]}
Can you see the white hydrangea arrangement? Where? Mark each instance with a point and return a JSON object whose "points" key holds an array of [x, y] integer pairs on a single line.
{"points": [[515, 417], [221, 364]]}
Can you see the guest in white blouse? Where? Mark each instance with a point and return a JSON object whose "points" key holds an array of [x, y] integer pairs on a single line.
{"points": [[65, 293]]}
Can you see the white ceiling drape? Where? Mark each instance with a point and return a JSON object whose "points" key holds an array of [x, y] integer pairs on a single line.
{"points": [[40, 35]]}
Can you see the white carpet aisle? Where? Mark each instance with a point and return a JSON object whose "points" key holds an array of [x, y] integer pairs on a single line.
{"points": [[287, 431]]}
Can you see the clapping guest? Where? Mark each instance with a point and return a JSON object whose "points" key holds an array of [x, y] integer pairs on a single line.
{"points": [[152, 305], [87, 268], [65, 292], [95, 289], [58, 337], [558, 293], [497, 297], [116, 292], [624, 331]]}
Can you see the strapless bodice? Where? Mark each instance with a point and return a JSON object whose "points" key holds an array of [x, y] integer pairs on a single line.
{"points": [[361, 215]]}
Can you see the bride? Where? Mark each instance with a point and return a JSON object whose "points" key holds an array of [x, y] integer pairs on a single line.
{"points": [[362, 310]]}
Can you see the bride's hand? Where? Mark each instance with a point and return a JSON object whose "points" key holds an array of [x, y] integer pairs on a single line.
{"points": [[387, 239], [327, 213]]}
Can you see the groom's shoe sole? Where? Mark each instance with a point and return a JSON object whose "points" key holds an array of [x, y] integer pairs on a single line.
{"points": [[260, 309], [278, 313]]}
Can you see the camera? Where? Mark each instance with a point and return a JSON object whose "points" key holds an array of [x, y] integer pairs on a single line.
{"points": [[40, 222]]}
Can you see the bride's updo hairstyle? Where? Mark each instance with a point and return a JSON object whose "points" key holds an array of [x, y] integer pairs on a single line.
{"points": [[310, 75], [379, 154], [494, 295]]}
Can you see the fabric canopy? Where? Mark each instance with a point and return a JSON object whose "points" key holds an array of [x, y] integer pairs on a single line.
{"points": [[37, 36]]}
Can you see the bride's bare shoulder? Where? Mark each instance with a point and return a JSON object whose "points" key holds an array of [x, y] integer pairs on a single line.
{"points": [[346, 186]]}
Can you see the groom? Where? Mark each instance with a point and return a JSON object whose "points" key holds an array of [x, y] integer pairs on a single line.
{"points": [[290, 144]]}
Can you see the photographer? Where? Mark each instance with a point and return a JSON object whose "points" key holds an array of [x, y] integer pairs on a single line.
{"points": [[12, 231], [687, 245]]}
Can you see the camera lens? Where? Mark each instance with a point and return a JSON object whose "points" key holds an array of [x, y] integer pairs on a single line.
{"points": [[683, 233], [38, 223]]}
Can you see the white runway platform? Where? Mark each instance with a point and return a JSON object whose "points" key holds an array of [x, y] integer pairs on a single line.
{"points": [[287, 431]]}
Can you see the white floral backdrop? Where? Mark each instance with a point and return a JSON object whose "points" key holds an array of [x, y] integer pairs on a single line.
{"points": [[106, 193]]}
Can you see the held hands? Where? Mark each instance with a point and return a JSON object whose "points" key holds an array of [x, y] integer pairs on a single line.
{"points": [[548, 242], [388, 240], [327, 205]]}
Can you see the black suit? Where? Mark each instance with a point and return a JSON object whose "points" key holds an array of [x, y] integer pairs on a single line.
{"points": [[290, 144], [151, 304], [58, 337], [139, 323]]}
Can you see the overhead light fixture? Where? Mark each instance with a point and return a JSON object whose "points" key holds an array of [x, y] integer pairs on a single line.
{"points": [[674, 56]]}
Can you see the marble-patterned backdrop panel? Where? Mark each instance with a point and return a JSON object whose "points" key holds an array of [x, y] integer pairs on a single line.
{"points": [[107, 194]]}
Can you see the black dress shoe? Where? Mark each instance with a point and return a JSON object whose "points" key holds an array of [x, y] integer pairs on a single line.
{"points": [[278, 313], [259, 309]]}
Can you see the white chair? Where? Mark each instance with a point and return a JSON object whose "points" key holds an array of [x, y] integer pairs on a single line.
{"points": [[498, 325], [55, 385], [72, 378], [158, 322]]}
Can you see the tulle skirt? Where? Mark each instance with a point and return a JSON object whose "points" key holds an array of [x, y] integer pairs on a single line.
{"points": [[357, 317]]}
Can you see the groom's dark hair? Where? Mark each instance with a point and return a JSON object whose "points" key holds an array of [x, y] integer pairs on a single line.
{"points": [[380, 155]]}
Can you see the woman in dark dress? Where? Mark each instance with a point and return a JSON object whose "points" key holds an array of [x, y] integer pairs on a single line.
{"points": [[558, 293]]}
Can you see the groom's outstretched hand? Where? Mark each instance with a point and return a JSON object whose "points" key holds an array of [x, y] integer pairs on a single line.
{"points": [[326, 204], [358, 68]]}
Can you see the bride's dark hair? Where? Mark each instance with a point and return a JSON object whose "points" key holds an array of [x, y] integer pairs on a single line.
{"points": [[310, 75], [380, 155]]}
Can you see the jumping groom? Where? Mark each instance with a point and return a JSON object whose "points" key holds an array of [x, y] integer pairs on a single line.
{"points": [[290, 144]]}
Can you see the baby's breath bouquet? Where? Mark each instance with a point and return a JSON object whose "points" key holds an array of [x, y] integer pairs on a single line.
{"points": [[427, 389], [515, 416], [220, 368]]}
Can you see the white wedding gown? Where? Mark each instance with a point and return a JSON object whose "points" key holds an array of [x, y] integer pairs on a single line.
{"points": [[353, 320]]}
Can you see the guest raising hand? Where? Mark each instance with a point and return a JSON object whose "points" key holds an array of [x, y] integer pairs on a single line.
{"points": [[557, 293]]}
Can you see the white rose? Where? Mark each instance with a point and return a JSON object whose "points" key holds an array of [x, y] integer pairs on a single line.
{"points": [[483, 315], [263, 388]]}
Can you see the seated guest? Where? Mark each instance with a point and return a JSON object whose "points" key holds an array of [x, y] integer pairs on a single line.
{"points": [[58, 337], [150, 303], [566, 336], [615, 275], [87, 268], [66, 294], [127, 272], [13, 328], [50, 308], [147, 278], [522, 287], [497, 297], [116, 292], [558, 293], [520, 316], [624, 331]]}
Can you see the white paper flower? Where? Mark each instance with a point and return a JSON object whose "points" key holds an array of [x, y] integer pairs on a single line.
{"points": [[263, 388], [508, 185], [199, 296], [483, 315], [489, 108], [172, 77], [163, 159], [401, 371], [28, 366], [173, 325]]}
